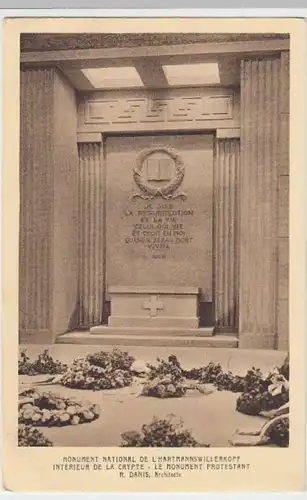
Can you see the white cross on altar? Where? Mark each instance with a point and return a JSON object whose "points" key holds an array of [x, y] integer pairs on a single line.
{"points": [[153, 305]]}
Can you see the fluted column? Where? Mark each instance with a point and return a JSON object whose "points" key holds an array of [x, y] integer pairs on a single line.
{"points": [[91, 234], [226, 222], [48, 206], [36, 166], [260, 106]]}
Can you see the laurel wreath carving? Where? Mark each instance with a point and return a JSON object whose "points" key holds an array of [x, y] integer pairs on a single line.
{"points": [[149, 191]]}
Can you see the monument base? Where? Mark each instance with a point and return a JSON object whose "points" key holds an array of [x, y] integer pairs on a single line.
{"points": [[157, 332], [150, 341]]}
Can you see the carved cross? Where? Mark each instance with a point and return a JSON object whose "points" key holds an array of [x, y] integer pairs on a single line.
{"points": [[153, 305]]}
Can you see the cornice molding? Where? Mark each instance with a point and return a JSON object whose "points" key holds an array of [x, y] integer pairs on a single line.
{"points": [[96, 57]]}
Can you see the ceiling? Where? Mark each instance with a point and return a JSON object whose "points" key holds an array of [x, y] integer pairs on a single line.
{"points": [[113, 72], [150, 74], [35, 42]]}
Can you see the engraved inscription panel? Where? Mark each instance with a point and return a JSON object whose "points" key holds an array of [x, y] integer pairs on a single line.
{"points": [[160, 242]]}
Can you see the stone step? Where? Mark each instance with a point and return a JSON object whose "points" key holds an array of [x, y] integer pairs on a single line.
{"points": [[87, 338], [156, 332]]}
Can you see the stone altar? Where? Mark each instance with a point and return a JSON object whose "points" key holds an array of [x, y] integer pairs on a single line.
{"points": [[162, 311]]}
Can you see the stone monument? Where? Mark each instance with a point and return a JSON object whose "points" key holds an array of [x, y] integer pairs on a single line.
{"points": [[158, 233]]}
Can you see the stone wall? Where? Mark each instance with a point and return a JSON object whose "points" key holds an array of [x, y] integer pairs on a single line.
{"points": [[36, 165], [62, 217], [264, 203], [48, 201], [65, 214], [283, 207]]}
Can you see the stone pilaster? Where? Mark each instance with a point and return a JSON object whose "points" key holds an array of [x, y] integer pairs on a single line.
{"points": [[91, 233], [260, 147], [283, 208], [35, 238], [226, 222], [48, 203]]}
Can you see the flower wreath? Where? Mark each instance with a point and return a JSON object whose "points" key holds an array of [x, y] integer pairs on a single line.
{"points": [[149, 191]]}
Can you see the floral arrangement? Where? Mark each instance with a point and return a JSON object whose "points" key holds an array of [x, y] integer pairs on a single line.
{"points": [[265, 394], [169, 379], [44, 364], [285, 369], [165, 380], [28, 436], [279, 434], [47, 409], [160, 433], [98, 371]]}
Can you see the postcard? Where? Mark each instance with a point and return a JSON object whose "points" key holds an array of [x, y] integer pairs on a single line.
{"points": [[154, 254]]}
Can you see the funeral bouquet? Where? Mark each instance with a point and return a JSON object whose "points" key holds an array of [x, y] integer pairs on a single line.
{"points": [[279, 434], [44, 364], [47, 409], [160, 433], [213, 373], [206, 374], [97, 371], [165, 380], [265, 394], [28, 436]]}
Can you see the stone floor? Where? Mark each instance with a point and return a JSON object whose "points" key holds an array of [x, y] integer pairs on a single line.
{"points": [[211, 418]]}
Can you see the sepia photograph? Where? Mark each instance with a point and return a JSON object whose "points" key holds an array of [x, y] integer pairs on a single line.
{"points": [[152, 308], [153, 299]]}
